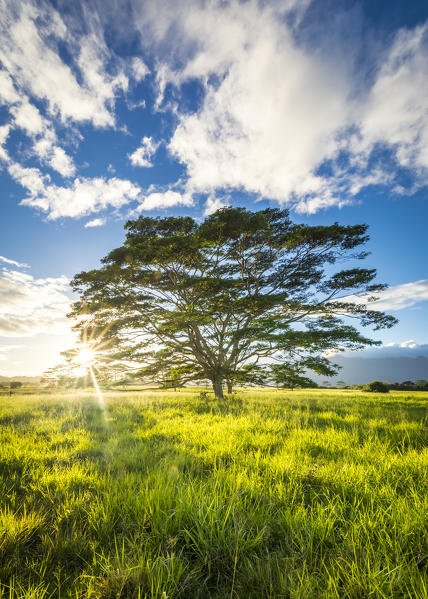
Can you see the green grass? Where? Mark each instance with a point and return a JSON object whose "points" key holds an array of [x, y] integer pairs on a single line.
{"points": [[303, 494]]}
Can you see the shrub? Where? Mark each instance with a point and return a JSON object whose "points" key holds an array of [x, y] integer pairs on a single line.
{"points": [[376, 387]]}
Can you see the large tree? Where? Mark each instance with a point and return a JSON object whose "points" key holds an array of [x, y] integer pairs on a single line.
{"points": [[227, 298]]}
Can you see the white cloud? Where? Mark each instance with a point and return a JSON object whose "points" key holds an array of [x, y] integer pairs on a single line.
{"points": [[402, 296], [277, 106], [8, 93], [31, 33], [396, 109], [27, 117], [214, 203], [96, 222], [13, 262], [156, 200], [53, 155], [82, 197], [61, 162], [29, 306], [271, 120], [143, 155], [410, 343], [31, 178], [93, 58], [4, 134], [82, 88], [139, 69], [397, 297]]}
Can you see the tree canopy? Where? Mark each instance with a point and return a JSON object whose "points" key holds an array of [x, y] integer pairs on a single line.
{"points": [[238, 298], [376, 387]]}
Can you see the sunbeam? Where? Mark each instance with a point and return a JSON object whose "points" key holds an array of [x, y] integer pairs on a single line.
{"points": [[99, 394]]}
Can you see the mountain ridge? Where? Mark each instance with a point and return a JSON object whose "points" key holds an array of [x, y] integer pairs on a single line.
{"points": [[358, 370]]}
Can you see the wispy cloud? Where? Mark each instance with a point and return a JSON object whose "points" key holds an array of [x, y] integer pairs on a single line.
{"points": [[44, 142], [43, 91], [4, 134], [397, 297], [13, 262], [139, 69], [395, 110], [31, 33]]}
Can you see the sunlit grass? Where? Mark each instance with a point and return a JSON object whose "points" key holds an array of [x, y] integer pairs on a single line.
{"points": [[303, 494]]}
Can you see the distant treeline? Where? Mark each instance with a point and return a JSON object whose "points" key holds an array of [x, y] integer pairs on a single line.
{"points": [[11, 385], [420, 385]]}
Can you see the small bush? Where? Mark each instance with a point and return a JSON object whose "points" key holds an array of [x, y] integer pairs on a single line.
{"points": [[376, 387]]}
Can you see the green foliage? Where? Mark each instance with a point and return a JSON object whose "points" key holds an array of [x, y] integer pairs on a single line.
{"points": [[15, 385], [286, 376], [106, 364], [222, 299], [376, 387], [422, 383], [311, 494]]}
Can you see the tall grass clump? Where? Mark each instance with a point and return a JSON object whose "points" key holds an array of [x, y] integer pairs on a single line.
{"points": [[303, 494]]}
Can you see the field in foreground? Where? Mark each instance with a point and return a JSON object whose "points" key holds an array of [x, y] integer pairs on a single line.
{"points": [[305, 494]]}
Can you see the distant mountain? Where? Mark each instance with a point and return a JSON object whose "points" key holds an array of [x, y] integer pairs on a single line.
{"points": [[354, 371], [392, 369], [25, 380]]}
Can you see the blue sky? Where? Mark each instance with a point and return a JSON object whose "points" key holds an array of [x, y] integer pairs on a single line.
{"points": [[111, 109]]}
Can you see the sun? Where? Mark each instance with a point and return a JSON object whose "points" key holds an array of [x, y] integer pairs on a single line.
{"points": [[85, 357]]}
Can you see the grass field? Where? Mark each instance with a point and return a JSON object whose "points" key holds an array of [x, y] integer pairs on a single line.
{"points": [[303, 494]]}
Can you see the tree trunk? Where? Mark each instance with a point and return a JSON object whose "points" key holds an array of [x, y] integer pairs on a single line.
{"points": [[218, 388], [229, 387]]}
